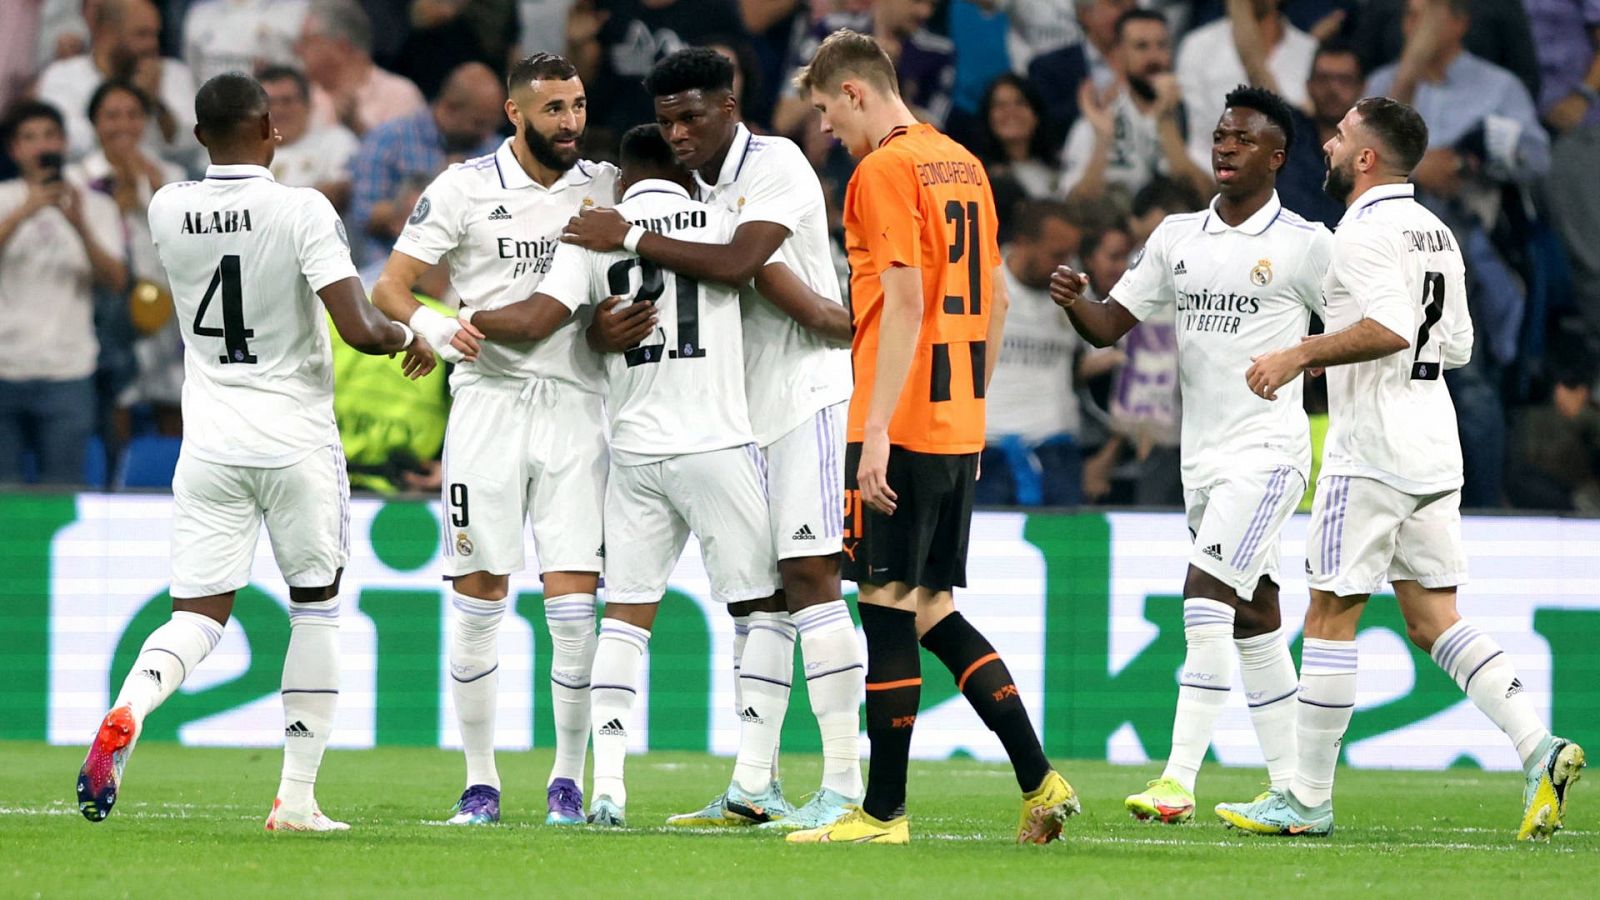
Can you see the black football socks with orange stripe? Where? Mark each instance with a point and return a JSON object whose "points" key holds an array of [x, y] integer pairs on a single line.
{"points": [[894, 688], [982, 677]]}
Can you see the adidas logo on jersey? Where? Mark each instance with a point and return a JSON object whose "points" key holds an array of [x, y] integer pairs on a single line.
{"points": [[500, 215], [153, 675], [1214, 551], [298, 729], [1180, 268], [749, 714], [804, 534], [614, 728], [1514, 689]]}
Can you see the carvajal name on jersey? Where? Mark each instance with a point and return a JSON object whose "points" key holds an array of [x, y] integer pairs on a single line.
{"points": [[1429, 241], [227, 221], [531, 256]]}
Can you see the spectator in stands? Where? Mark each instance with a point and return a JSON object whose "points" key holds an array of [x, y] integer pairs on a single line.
{"points": [[1056, 74], [1128, 134], [980, 41], [240, 35], [349, 89], [1499, 33], [1033, 456], [19, 27], [1038, 27], [616, 47], [1160, 198], [1556, 457], [1336, 83], [461, 124], [1569, 103], [310, 156], [120, 169], [63, 28], [924, 61], [126, 45], [57, 242], [1255, 45], [444, 35], [1014, 144]]}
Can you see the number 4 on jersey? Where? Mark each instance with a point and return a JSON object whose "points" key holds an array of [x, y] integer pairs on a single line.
{"points": [[235, 336]]}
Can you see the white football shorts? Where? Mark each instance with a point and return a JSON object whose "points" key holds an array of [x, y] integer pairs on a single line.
{"points": [[1236, 523], [1365, 533], [805, 484], [217, 510]]}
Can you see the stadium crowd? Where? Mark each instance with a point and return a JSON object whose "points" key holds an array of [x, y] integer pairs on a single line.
{"points": [[1093, 118]]}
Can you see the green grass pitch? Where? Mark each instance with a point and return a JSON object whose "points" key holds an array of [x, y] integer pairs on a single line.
{"points": [[189, 825]]}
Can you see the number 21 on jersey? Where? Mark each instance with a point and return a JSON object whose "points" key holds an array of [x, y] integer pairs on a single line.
{"points": [[652, 284]]}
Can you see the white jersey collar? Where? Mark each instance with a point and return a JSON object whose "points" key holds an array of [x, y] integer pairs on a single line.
{"points": [[733, 164], [655, 186], [1377, 194], [1259, 222], [237, 173], [514, 177]]}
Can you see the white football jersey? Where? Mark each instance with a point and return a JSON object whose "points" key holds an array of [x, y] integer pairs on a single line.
{"points": [[1391, 419], [245, 257], [498, 228], [790, 373], [682, 390], [1238, 293]]}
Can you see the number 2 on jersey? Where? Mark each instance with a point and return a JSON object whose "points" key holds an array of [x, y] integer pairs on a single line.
{"points": [[235, 336], [1432, 312], [651, 285]]}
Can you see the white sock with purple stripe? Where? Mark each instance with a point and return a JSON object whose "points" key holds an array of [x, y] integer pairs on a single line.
{"points": [[1326, 702], [570, 619], [1484, 672], [612, 692], [310, 697], [1203, 685], [169, 654], [1270, 685], [835, 668], [474, 655], [765, 673]]}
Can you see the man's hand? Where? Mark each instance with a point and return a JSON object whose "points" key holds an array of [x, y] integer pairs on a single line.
{"points": [[873, 474], [1168, 93], [42, 196], [1271, 371], [427, 478], [147, 76], [1067, 286], [70, 202], [445, 334], [614, 330], [418, 360], [600, 230], [1095, 111], [465, 341]]}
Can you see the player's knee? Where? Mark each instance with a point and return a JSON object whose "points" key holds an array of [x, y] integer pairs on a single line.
{"points": [[773, 604], [1261, 615], [482, 585], [933, 610], [639, 615], [560, 584], [809, 581], [1424, 630]]}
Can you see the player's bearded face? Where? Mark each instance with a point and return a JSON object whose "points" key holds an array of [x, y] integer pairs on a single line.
{"points": [[556, 148], [1341, 179]]}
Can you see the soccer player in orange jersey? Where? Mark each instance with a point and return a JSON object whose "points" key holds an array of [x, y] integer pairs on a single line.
{"points": [[929, 306]]}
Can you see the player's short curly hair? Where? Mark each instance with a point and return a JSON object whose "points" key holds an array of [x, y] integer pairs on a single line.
{"points": [[226, 102], [690, 69], [1399, 127], [540, 67], [643, 146], [1275, 108]]}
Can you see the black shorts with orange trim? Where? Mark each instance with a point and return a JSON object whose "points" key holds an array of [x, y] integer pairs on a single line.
{"points": [[924, 544]]}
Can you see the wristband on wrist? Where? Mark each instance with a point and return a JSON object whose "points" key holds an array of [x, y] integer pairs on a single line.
{"points": [[630, 242], [409, 335]]}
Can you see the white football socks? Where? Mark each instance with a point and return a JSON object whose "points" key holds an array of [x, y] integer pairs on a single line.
{"points": [[310, 696], [1203, 685], [835, 670], [169, 654], [1326, 702], [1270, 685], [765, 673], [612, 692], [475, 680], [1484, 672], [570, 619]]}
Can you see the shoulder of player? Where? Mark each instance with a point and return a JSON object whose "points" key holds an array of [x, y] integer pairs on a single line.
{"points": [[1179, 225], [1367, 235]]}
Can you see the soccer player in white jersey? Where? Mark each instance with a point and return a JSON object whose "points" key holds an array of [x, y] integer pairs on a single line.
{"points": [[1388, 505], [683, 454], [798, 378], [249, 260], [1245, 276], [526, 436]]}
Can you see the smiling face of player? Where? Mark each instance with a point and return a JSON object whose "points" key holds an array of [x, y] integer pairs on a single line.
{"points": [[699, 126], [1246, 153], [550, 117]]}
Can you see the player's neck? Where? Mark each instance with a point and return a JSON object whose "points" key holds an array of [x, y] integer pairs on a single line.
{"points": [[1363, 185], [712, 170], [538, 172], [892, 114], [1237, 210], [232, 156]]}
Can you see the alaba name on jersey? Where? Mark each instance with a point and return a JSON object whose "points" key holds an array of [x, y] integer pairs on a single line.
{"points": [[1237, 293], [790, 372], [681, 390], [245, 257], [1391, 419], [498, 229]]}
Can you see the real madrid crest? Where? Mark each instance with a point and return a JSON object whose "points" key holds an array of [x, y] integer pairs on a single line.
{"points": [[1261, 275], [741, 203], [588, 202], [463, 544]]}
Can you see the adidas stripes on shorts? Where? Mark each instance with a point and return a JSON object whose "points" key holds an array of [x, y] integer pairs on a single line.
{"points": [[805, 485], [1236, 523]]}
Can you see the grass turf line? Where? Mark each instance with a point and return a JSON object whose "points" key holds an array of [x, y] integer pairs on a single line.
{"points": [[189, 824]]}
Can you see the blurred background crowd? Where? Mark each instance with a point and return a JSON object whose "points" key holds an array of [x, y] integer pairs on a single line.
{"points": [[1093, 118]]}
